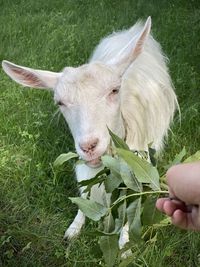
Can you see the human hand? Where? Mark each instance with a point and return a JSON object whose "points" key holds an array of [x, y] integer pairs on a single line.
{"points": [[184, 196]]}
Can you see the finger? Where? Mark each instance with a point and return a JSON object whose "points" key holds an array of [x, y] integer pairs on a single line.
{"points": [[159, 203], [186, 220], [180, 219], [168, 206], [180, 205]]}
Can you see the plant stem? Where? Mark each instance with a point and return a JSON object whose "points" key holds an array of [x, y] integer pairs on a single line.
{"points": [[138, 194]]}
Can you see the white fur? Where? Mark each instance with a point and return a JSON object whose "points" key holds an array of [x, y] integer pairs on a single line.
{"points": [[141, 112]]}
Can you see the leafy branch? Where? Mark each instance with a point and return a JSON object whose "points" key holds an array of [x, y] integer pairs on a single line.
{"points": [[132, 181], [138, 194]]}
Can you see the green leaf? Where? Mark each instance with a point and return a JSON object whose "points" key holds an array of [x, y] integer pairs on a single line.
{"points": [[118, 142], [178, 158], [150, 214], [117, 224], [166, 221], [114, 179], [98, 179], [109, 247], [110, 162], [63, 158], [100, 233], [90, 208], [194, 157], [143, 170], [129, 178], [112, 182], [122, 207], [152, 156], [122, 211], [92, 181], [108, 223], [134, 219]]}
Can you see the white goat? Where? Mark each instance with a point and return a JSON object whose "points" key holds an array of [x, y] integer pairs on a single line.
{"points": [[125, 86]]}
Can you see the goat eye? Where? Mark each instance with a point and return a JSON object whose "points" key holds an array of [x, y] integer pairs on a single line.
{"points": [[115, 91]]}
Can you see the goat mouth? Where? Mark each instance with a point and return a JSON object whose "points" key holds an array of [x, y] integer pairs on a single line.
{"points": [[94, 163]]}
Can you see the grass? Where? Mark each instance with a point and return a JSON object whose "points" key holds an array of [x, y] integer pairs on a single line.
{"points": [[34, 205]]}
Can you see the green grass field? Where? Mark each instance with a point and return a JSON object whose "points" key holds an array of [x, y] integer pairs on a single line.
{"points": [[34, 205]]}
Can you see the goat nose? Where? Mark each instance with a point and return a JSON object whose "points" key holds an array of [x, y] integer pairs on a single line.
{"points": [[89, 146]]}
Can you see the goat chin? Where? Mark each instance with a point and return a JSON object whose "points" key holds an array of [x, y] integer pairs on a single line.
{"points": [[95, 163]]}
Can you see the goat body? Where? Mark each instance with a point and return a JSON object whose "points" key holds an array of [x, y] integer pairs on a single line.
{"points": [[125, 86]]}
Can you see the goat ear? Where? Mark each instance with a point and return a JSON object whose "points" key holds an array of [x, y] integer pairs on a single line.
{"points": [[139, 45], [133, 49], [31, 77]]}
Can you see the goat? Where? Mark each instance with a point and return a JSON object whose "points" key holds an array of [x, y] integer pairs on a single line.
{"points": [[125, 86]]}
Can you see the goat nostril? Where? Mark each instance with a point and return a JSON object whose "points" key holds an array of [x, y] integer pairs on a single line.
{"points": [[89, 146], [94, 145]]}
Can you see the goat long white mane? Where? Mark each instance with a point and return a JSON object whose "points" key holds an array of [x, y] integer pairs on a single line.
{"points": [[148, 100]]}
